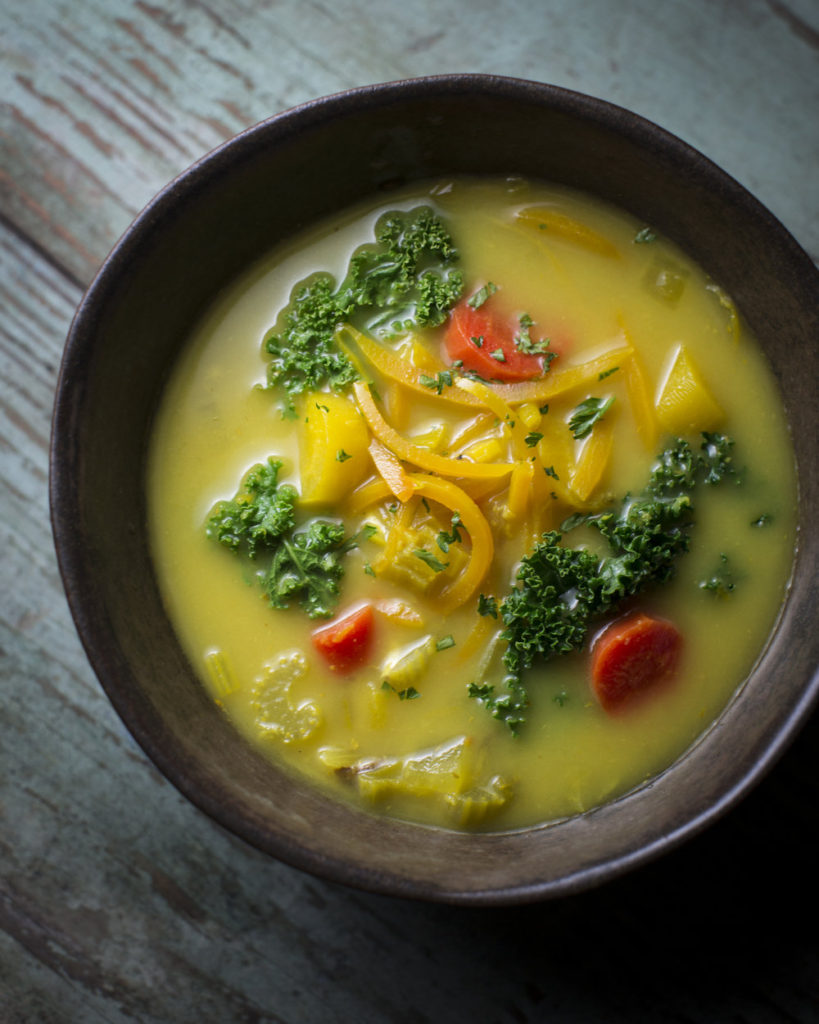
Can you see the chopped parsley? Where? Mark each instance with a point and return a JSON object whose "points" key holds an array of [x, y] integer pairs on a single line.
{"points": [[550, 471], [438, 383], [643, 236], [764, 520], [487, 606], [445, 643], [607, 373], [342, 456], [445, 539], [410, 693], [481, 295], [498, 354], [529, 347], [532, 438], [589, 412], [429, 559]]}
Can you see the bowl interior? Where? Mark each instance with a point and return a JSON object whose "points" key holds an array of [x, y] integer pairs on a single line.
{"points": [[202, 231]]}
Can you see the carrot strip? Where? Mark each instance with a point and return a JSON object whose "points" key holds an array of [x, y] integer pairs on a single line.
{"points": [[391, 471], [474, 522], [408, 452], [557, 382], [556, 223], [593, 460]]}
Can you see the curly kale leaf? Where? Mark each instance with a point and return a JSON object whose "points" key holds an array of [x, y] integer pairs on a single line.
{"points": [[548, 610], [259, 514], [305, 564], [405, 276], [560, 591], [304, 355], [307, 567]]}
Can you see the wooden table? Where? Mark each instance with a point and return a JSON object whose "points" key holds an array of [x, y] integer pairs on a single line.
{"points": [[119, 901]]}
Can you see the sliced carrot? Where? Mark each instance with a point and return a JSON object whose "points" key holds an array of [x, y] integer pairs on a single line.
{"points": [[485, 344], [345, 643], [631, 656]]}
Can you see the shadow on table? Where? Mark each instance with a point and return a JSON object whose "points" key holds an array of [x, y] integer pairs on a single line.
{"points": [[723, 928]]}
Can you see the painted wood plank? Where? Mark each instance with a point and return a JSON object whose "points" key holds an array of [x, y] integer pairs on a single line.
{"points": [[105, 103]]}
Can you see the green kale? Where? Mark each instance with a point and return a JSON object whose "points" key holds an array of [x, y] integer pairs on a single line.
{"points": [[307, 566], [722, 581], [406, 273], [259, 514], [304, 355], [405, 277], [560, 591], [508, 706]]}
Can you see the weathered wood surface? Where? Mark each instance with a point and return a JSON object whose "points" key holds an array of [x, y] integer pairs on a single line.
{"points": [[118, 900]]}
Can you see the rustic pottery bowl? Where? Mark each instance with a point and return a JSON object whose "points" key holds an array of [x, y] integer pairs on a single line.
{"points": [[208, 226]]}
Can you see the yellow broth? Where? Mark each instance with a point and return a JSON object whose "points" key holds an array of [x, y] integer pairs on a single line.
{"points": [[217, 420]]}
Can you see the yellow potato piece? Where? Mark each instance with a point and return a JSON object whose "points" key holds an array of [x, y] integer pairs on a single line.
{"points": [[333, 442], [685, 405]]}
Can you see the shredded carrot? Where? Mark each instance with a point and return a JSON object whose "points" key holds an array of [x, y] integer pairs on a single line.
{"points": [[391, 471], [557, 382], [556, 223], [393, 367], [474, 522], [593, 460], [421, 457]]}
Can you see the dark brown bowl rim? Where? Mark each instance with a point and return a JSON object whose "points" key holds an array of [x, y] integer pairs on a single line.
{"points": [[64, 500]]}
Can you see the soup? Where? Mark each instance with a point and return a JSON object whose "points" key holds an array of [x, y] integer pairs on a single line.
{"points": [[475, 506]]}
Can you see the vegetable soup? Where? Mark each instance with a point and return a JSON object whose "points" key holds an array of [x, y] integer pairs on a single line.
{"points": [[475, 506]]}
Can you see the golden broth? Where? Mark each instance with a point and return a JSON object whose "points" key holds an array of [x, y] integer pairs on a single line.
{"points": [[216, 421]]}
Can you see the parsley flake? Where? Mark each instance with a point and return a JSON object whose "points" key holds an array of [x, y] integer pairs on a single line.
{"points": [[481, 295], [438, 383], [587, 414], [430, 559]]}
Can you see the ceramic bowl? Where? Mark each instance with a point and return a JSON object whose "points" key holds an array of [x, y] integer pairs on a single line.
{"points": [[202, 231]]}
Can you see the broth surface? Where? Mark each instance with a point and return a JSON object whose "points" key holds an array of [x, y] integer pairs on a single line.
{"points": [[441, 757]]}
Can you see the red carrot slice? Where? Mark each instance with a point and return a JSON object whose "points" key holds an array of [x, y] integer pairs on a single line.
{"points": [[485, 344], [631, 656], [345, 643]]}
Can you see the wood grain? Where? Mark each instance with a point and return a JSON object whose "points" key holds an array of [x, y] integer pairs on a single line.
{"points": [[118, 900]]}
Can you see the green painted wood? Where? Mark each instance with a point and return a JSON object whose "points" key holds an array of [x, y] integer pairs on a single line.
{"points": [[118, 900], [104, 102]]}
